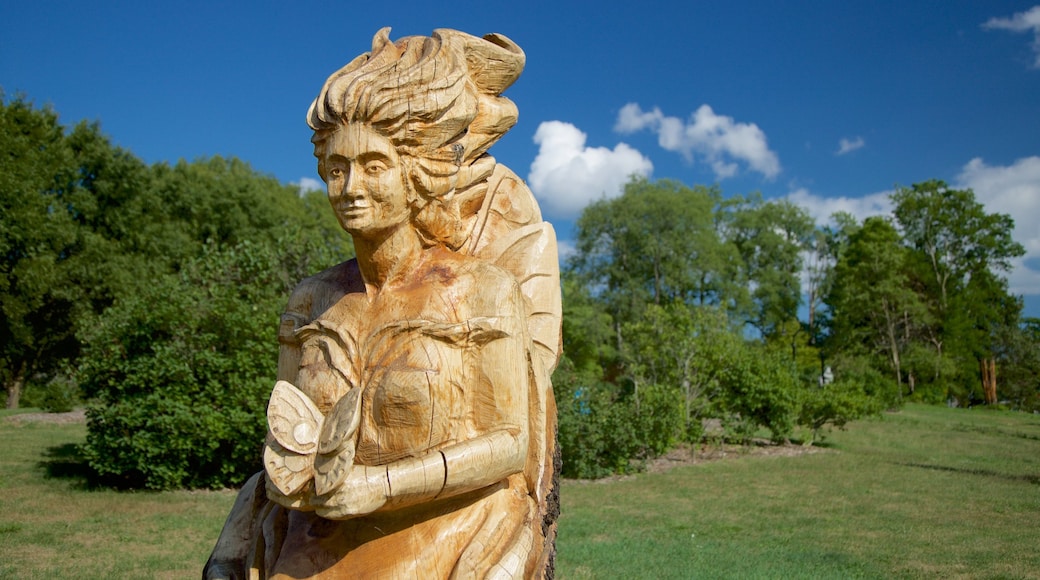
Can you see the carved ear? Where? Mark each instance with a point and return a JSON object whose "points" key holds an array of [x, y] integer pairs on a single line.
{"points": [[294, 420]]}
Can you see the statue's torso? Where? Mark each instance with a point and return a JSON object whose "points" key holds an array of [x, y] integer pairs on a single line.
{"points": [[410, 349]]}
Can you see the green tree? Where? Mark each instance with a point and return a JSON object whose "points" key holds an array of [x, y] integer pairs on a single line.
{"points": [[588, 332], [656, 243], [959, 255], [873, 307], [771, 238], [826, 247], [1019, 363], [39, 241]]}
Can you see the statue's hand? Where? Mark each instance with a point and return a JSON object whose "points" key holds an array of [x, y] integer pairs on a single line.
{"points": [[297, 501], [363, 491]]}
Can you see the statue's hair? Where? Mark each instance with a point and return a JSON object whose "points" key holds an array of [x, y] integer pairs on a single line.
{"points": [[437, 99]]}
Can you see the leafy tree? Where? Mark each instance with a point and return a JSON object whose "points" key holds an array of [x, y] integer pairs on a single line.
{"points": [[771, 237], [40, 242], [656, 243], [873, 305], [959, 254], [588, 331], [825, 248], [84, 222], [1019, 368]]}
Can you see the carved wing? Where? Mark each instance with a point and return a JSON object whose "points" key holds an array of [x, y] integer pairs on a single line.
{"points": [[294, 419], [509, 232], [336, 447], [295, 424]]}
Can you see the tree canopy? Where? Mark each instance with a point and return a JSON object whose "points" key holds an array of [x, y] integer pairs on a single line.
{"points": [[155, 289], [151, 293]]}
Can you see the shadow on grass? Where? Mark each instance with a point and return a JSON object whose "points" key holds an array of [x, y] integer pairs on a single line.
{"points": [[995, 431], [66, 462], [1034, 479]]}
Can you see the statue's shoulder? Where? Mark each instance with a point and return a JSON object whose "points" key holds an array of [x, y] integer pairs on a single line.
{"points": [[316, 293], [479, 287], [477, 273]]}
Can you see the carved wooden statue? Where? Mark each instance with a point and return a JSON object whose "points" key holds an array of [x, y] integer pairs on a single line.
{"points": [[412, 425]]}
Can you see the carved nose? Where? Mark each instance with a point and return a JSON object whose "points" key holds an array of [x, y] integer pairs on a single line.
{"points": [[348, 189], [352, 186]]}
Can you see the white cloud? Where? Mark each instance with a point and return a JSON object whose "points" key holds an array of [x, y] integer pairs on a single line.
{"points": [[566, 175], [822, 208], [1012, 190], [1020, 22], [849, 145], [309, 184], [719, 139]]}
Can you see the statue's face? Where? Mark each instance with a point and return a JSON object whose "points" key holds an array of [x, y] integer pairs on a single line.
{"points": [[365, 181]]}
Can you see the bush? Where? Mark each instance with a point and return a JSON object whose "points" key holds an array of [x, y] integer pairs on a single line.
{"points": [[757, 389], [659, 419], [597, 434], [179, 372], [60, 395], [858, 390]]}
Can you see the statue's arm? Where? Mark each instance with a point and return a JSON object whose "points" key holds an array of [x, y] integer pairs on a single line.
{"points": [[296, 314]]}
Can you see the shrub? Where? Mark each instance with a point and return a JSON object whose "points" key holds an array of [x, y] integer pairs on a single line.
{"points": [[598, 436], [179, 372], [757, 388], [858, 390]]}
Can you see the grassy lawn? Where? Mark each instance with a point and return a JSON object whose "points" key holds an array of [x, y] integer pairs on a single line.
{"points": [[52, 527], [925, 493], [928, 492]]}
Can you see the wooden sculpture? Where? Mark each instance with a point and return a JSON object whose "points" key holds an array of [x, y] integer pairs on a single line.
{"points": [[412, 424]]}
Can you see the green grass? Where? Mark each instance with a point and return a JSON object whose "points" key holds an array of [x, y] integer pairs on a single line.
{"points": [[925, 493], [52, 526], [928, 492]]}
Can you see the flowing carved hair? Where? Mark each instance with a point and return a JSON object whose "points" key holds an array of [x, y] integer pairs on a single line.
{"points": [[438, 100]]}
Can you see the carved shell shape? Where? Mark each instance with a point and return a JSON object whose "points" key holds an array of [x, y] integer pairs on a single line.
{"points": [[294, 420]]}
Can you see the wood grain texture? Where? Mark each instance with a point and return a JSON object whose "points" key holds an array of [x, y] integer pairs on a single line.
{"points": [[412, 424]]}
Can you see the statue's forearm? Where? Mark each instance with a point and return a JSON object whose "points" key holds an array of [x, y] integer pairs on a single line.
{"points": [[456, 469]]}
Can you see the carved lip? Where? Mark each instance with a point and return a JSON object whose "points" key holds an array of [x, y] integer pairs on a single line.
{"points": [[347, 208]]}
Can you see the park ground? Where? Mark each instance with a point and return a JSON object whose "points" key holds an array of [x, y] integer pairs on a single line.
{"points": [[925, 492]]}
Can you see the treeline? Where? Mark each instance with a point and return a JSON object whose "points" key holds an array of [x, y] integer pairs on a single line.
{"points": [[690, 316], [150, 292]]}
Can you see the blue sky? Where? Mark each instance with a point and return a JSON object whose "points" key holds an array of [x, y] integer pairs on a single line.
{"points": [[829, 103]]}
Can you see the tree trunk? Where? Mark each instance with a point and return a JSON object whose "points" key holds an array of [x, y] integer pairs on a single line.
{"points": [[989, 380], [893, 345], [812, 317], [14, 387]]}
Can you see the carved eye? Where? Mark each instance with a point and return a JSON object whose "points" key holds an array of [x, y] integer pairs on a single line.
{"points": [[375, 167], [336, 173]]}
